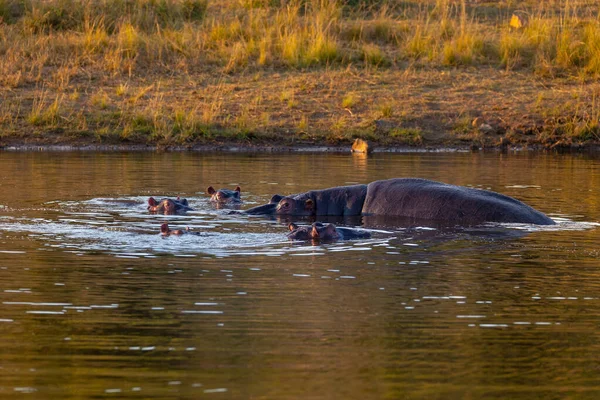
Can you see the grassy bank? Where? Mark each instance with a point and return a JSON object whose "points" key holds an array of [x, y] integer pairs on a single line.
{"points": [[439, 72]]}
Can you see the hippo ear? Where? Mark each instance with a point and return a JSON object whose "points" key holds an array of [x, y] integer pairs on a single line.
{"points": [[210, 190], [314, 232], [152, 202], [309, 205], [238, 189], [276, 198], [292, 226]]}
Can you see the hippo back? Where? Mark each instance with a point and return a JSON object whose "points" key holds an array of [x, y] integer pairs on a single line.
{"points": [[351, 233], [425, 199]]}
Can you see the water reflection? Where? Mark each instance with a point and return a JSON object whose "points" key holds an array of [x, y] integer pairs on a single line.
{"points": [[95, 303]]}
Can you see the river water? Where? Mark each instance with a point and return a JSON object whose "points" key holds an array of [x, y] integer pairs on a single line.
{"points": [[94, 303]]}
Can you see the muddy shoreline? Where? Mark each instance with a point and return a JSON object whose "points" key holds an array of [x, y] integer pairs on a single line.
{"points": [[233, 147], [283, 149]]}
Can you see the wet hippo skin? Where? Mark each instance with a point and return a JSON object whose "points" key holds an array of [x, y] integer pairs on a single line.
{"points": [[342, 200], [266, 209], [410, 198]]}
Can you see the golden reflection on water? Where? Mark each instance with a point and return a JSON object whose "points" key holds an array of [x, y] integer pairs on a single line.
{"points": [[416, 314]]}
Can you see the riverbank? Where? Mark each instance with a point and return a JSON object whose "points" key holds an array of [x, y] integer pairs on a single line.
{"points": [[427, 108], [251, 148], [199, 75]]}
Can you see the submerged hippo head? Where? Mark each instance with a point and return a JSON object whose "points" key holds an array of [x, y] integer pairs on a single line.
{"points": [[299, 232], [165, 205], [315, 232], [168, 206], [319, 232], [165, 231], [225, 196], [293, 206], [325, 232]]}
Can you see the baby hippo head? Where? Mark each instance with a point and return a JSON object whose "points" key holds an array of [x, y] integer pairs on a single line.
{"points": [[292, 206], [225, 196]]}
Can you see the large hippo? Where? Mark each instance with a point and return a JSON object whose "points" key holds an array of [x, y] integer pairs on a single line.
{"points": [[409, 198], [168, 206], [225, 197], [325, 232]]}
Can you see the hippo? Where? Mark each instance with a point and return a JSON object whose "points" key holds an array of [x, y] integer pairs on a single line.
{"points": [[265, 209], [325, 232], [412, 198], [225, 197], [168, 206], [166, 231]]}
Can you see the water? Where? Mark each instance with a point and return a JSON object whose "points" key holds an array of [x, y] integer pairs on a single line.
{"points": [[94, 303]]}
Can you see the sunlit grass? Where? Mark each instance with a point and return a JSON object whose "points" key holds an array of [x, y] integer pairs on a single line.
{"points": [[137, 35], [386, 110], [95, 59], [349, 100], [374, 55], [100, 100], [121, 90], [45, 113]]}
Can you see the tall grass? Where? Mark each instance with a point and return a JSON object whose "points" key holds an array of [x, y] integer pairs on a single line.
{"points": [[58, 44], [141, 36], [44, 113]]}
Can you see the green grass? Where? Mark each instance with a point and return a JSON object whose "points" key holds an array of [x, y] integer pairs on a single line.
{"points": [[411, 136]]}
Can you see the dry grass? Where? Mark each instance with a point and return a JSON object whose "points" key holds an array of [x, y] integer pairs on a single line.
{"points": [[182, 71]]}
